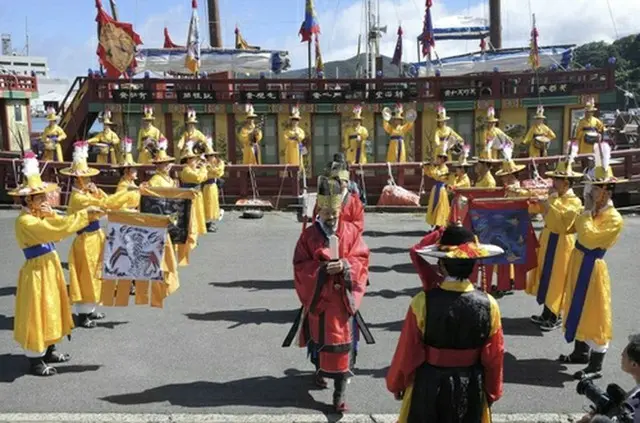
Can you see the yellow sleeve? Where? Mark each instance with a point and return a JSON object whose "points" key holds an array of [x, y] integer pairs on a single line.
{"points": [[80, 201], [496, 318], [465, 183], [566, 213], [345, 139], [387, 127], [61, 134], [258, 135], [181, 142], [201, 137], [139, 145], [603, 235], [407, 127], [429, 171], [51, 229], [501, 133], [599, 125], [301, 134], [580, 130], [159, 135], [120, 200], [216, 171], [97, 138], [364, 133], [529, 137], [549, 133], [419, 308], [191, 176], [455, 135]]}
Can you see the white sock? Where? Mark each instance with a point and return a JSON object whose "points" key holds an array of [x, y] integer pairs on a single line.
{"points": [[31, 354], [85, 308], [598, 348]]}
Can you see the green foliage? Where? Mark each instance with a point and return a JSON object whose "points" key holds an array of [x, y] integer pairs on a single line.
{"points": [[626, 50]]}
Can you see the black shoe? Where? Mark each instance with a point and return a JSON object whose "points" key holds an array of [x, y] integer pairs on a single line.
{"points": [[579, 355], [537, 319], [551, 325], [38, 367], [211, 227], [53, 356], [339, 395], [84, 321], [97, 316], [593, 369]]}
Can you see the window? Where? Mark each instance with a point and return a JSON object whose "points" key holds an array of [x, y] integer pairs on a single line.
{"points": [[269, 144], [380, 143], [326, 140], [17, 112], [555, 121], [464, 124]]}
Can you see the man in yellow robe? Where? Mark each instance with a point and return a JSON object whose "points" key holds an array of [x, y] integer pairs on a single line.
{"points": [[438, 207], [484, 178], [459, 177], [587, 306], [43, 313], [148, 137], [355, 138], [292, 139], [508, 173], [107, 141], [191, 133], [249, 137], [494, 139], [589, 129], [85, 254], [539, 136], [51, 138], [162, 178], [444, 132], [557, 241], [215, 170], [397, 129]]}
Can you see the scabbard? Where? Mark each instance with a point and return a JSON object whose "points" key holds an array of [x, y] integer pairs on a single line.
{"points": [[364, 329], [294, 329]]}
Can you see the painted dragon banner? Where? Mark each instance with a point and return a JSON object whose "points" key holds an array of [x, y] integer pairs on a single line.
{"points": [[134, 246], [175, 202]]}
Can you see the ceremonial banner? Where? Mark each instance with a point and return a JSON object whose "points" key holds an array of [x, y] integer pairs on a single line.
{"points": [[134, 246], [462, 197], [174, 202], [117, 43], [192, 60]]}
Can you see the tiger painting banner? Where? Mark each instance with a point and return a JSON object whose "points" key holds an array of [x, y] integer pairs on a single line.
{"points": [[134, 246]]}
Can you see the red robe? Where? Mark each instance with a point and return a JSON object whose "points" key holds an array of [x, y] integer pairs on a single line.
{"points": [[330, 301], [429, 273], [352, 210]]}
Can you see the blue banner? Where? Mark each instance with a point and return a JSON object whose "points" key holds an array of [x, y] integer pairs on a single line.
{"points": [[504, 228]]}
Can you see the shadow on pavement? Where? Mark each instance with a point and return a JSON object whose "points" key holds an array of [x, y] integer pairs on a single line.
{"points": [[374, 373], [256, 316], [399, 268], [6, 322], [15, 366], [110, 325], [389, 294], [379, 234], [388, 326], [290, 390], [519, 326], [256, 285], [389, 250], [7, 291], [536, 372]]}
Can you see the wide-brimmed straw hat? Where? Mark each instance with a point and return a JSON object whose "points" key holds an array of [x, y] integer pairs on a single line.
{"points": [[602, 173], [564, 168], [80, 168], [162, 156], [32, 184], [457, 242]]}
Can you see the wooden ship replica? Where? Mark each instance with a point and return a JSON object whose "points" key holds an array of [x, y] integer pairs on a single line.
{"points": [[326, 105]]}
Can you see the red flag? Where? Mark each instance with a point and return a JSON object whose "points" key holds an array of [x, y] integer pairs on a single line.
{"points": [[117, 42], [168, 42]]}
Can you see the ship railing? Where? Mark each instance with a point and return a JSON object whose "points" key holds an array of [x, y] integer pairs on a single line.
{"points": [[9, 82]]}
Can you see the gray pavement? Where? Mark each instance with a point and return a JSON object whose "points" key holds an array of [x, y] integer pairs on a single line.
{"points": [[215, 347]]}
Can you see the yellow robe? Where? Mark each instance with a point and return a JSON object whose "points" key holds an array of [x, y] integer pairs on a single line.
{"points": [[583, 125], [144, 157], [487, 181], [459, 181], [438, 207], [123, 185], [51, 147], [191, 176], [537, 129], [85, 255], [292, 140], [194, 136], [107, 136], [355, 150], [162, 180], [419, 309], [442, 134], [210, 192], [396, 153], [43, 311], [251, 153], [601, 232], [490, 134], [558, 235]]}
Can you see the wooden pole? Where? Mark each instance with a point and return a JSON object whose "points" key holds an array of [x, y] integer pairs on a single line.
{"points": [[495, 28], [215, 36], [114, 9], [309, 57]]}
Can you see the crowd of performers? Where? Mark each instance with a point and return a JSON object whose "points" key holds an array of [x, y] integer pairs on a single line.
{"points": [[44, 315], [451, 345]]}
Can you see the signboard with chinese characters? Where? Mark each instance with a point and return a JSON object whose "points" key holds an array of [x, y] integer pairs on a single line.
{"points": [[260, 96], [460, 93], [383, 96], [132, 96], [196, 97], [332, 96], [551, 89]]}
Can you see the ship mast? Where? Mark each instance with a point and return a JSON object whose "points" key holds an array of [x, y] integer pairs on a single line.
{"points": [[215, 37], [495, 26], [374, 33]]}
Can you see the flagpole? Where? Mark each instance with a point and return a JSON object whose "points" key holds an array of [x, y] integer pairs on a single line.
{"points": [[309, 56]]}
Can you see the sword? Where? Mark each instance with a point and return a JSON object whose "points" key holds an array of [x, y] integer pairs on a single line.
{"points": [[362, 325]]}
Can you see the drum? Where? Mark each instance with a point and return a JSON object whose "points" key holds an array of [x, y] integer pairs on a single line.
{"points": [[102, 148], [541, 142], [591, 137]]}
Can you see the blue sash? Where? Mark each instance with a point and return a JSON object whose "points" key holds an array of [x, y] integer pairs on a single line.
{"points": [[352, 137], [189, 185], [396, 138], [436, 195], [91, 227], [38, 250], [210, 181], [580, 292], [358, 152], [547, 267]]}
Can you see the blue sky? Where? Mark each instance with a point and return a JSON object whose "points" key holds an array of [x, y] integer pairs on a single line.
{"points": [[65, 30]]}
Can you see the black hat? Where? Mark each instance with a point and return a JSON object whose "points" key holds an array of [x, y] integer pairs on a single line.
{"points": [[339, 157], [456, 235]]}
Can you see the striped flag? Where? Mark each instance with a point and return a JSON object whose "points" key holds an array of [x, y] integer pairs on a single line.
{"points": [[310, 24], [426, 38], [319, 62], [397, 54], [192, 61], [534, 54]]}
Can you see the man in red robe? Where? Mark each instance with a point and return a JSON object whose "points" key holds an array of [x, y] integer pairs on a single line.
{"points": [[331, 264], [451, 346]]}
